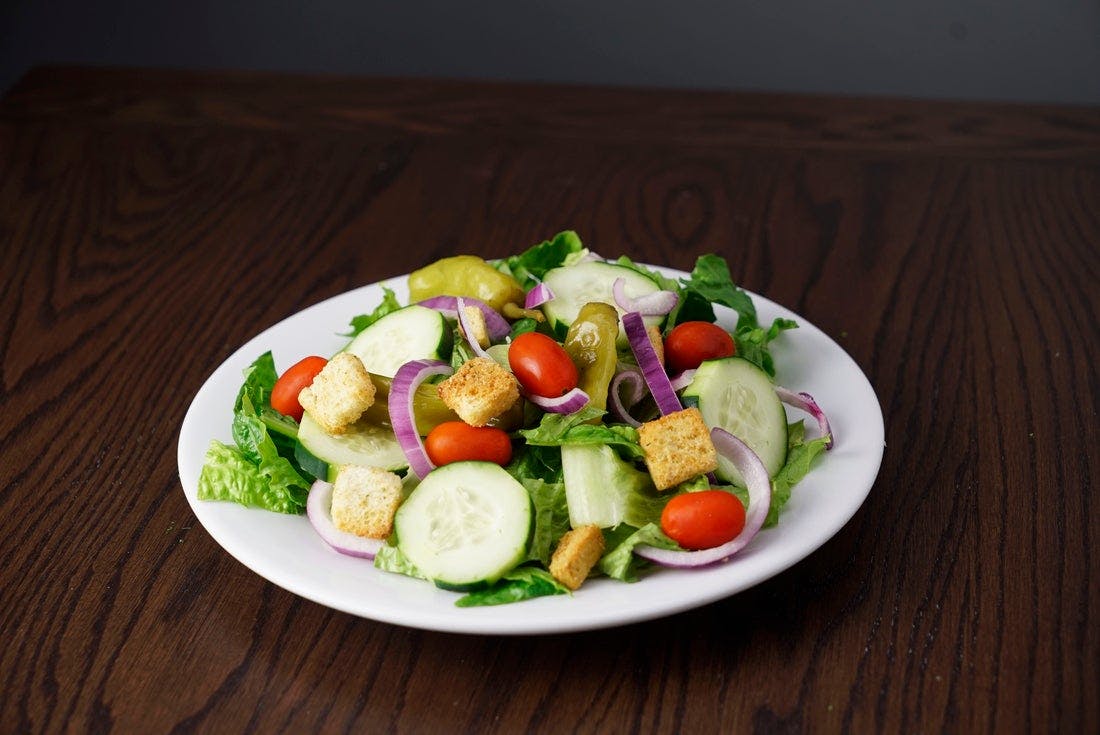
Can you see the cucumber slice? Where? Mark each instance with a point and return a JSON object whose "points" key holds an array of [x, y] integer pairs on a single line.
{"points": [[413, 333], [363, 443], [739, 397], [575, 285], [465, 524]]}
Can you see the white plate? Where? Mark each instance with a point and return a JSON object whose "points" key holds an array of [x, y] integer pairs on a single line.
{"points": [[284, 549]]}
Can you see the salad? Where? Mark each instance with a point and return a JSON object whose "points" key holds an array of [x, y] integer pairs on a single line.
{"points": [[522, 425]]}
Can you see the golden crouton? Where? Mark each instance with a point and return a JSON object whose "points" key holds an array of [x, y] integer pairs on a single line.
{"points": [[677, 447], [339, 394], [479, 330], [480, 390], [364, 500], [577, 552], [654, 334]]}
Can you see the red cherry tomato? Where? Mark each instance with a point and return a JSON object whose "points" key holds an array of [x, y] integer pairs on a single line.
{"points": [[704, 519], [284, 396], [541, 365], [690, 343], [455, 441]]}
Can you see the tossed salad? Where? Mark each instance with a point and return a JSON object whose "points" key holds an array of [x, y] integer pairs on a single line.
{"points": [[524, 424]]}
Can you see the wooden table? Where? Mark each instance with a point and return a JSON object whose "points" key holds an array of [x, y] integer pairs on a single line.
{"points": [[151, 222]]}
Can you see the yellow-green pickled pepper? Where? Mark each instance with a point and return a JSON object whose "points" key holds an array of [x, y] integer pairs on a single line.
{"points": [[591, 343], [465, 275]]}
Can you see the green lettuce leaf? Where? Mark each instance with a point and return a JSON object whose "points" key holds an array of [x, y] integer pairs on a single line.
{"points": [[522, 583], [390, 559], [666, 283], [752, 343], [551, 517], [559, 429], [228, 475], [531, 265], [800, 457], [711, 280], [361, 322], [620, 562], [536, 463]]}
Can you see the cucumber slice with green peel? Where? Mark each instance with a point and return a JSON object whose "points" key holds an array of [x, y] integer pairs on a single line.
{"points": [[576, 285], [363, 443], [412, 333], [465, 524], [736, 395]]}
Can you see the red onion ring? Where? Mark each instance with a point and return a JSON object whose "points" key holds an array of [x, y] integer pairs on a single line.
{"points": [[319, 511], [408, 379], [654, 373], [538, 296], [620, 406], [806, 402], [760, 498], [683, 380], [464, 325], [653, 304], [574, 400], [448, 305]]}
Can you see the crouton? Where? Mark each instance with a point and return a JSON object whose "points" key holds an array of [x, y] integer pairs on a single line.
{"points": [[364, 500], [577, 552], [480, 390], [677, 447], [479, 330], [339, 394], [655, 339]]}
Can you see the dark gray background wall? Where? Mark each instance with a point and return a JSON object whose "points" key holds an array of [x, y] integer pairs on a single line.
{"points": [[1026, 50]]}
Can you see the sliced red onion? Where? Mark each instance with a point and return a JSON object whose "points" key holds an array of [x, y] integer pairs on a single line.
{"points": [[683, 380], [319, 511], [408, 379], [574, 400], [538, 296], [631, 380], [806, 402], [464, 324], [654, 373], [448, 306], [760, 499], [658, 303]]}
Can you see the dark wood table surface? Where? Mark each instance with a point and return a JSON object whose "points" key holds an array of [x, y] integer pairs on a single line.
{"points": [[152, 222]]}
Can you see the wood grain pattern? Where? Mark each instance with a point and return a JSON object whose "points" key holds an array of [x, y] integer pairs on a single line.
{"points": [[152, 222]]}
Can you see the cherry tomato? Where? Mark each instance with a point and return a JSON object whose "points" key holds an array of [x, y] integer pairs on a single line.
{"points": [[541, 365], [688, 344], [284, 396], [455, 441], [704, 519]]}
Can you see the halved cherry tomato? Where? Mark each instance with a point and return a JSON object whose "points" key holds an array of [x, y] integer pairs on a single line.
{"points": [[541, 365], [284, 396], [704, 519], [455, 441], [690, 343]]}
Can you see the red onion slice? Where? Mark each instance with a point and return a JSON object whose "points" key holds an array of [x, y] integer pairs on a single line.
{"points": [[654, 373], [574, 400], [448, 305], [620, 404], [464, 325], [319, 511], [408, 379], [683, 380], [538, 296], [760, 499], [653, 304], [806, 402]]}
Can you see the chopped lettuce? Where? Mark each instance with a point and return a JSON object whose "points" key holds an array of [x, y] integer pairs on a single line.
{"points": [[531, 265], [619, 562], [566, 429], [361, 322], [800, 457], [227, 474], [551, 517], [604, 490], [752, 343], [711, 280], [390, 559], [522, 583]]}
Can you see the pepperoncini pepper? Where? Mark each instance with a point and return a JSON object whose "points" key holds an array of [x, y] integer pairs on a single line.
{"points": [[590, 341], [465, 275]]}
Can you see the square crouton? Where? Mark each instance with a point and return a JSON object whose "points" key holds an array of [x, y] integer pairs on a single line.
{"points": [[480, 390], [655, 339], [677, 447], [364, 500], [577, 552], [339, 394], [479, 330]]}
